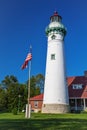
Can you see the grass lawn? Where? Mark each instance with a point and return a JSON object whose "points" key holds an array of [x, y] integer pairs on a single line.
{"points": [[39, 121]]}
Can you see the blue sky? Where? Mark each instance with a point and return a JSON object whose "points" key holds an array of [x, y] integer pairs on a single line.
{"points": [[23, 22]]}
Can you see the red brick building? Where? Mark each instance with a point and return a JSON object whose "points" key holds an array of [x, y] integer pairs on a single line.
{"points": [[36, 103], [77, 88]]}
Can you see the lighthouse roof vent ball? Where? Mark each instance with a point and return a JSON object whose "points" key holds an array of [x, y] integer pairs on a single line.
{"points": [[55, 25]]}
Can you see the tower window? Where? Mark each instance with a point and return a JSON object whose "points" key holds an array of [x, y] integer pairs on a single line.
{"points": [[52, 56]]}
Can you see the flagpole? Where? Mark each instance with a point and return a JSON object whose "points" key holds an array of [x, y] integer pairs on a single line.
{"points": [[29, 109]]}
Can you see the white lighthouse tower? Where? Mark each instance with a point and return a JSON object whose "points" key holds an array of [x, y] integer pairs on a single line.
{"points": [[55, 90]]}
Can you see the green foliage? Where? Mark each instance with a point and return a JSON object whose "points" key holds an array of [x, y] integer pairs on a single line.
{"points": [[84, 112], [32, 86], [9, 80], [3, 100], [12, 90], [14, 111], [40, 82], [36, 85], [14, 95]]}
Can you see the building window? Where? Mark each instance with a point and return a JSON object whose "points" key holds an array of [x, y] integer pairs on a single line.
{"points": [[35, 103], [77, 86], [52, 56]]}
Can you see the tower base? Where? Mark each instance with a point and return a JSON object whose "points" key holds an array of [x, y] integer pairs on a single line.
{"points": [[55, 108]]}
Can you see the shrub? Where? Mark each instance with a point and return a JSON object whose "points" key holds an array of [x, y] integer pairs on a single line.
{"points": [[84, 112], [14, 111]]}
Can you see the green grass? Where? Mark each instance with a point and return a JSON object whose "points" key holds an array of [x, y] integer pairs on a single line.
{"points": [[39, 121]]}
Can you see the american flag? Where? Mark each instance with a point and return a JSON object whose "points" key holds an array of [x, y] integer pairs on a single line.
{"points": [[28, 58]]}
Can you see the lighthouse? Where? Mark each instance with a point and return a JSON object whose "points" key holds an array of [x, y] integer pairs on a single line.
{"points": [[55, 98]]}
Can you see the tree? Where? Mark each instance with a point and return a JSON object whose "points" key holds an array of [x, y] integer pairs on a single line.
{"points": [[9, 80], [12, 95], [15, 93], [3, 101], [34, 90], [40, 82], [22, 96], [36, 85]]}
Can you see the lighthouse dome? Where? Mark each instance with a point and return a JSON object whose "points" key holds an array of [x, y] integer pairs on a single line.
{"points": [[55, 25]]}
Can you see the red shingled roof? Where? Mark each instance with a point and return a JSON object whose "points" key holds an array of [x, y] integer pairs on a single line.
{"points": [[73, 93], [80, 93], [38, 97]]}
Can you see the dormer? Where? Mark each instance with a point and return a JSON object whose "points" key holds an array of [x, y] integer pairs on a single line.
{"points": [[77, 86]]}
